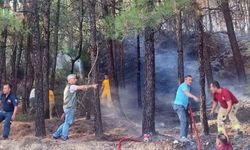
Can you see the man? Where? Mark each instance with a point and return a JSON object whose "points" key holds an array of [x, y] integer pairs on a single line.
{"points": [[51, 103], [222, 143], [9, 104], [105, 92], [181, 104], [32, 101], [69, 105], [228, 107]]}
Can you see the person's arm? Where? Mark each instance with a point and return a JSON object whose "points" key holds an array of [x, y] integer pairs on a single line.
{"points": [[15, 103], [186, 92], [214, 105], [229, 107], [62, 117], [13, 118], [225, 133], [85, 87]]}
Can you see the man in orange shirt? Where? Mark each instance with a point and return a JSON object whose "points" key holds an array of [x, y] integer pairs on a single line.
{"points": [[105, 92], [51, 103]]}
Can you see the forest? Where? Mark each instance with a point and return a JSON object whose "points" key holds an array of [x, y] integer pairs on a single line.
{"points": [[143, 51]]}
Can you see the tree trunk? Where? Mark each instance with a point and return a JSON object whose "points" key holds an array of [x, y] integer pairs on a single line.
{"points": [[248, 14], [111, 44], [73, 61], [19, 56], [95, 64], [139, 72], [13, 63], [29, 70], [28, 74], [54, 59], [89, 96], [46, 62], [113, 76], [149, 83], [148, 120], [37, 60], [3, 41], [200, 32], [207, 61], [239, 64], [122, 73], [210, 17], [180, 60], [112, 70], [15, 5]]}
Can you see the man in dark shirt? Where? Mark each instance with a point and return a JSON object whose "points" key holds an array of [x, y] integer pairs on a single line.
{"points": [[9, 104], [228, 107]]}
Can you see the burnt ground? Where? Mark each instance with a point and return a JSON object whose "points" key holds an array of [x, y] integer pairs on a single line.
{"points": [[82, 135]]}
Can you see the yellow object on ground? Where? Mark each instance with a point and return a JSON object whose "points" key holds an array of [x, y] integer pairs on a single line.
{"points": [[106, 94], [232, 117], [51, 103]]}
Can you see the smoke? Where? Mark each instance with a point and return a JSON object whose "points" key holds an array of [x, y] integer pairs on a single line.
{"points": [[166, 79]]}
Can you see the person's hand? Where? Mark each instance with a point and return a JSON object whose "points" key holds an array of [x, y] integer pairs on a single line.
{"points": [[196, 99], [13, 118], [224, 118], [62, 117], [94, 86], [211, 114]]}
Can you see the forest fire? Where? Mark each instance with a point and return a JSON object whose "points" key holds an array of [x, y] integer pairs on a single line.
{"points": [[124, 74]]}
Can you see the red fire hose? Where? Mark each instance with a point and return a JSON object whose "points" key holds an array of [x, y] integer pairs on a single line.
{"points": [[127, 139], [195, 129]]}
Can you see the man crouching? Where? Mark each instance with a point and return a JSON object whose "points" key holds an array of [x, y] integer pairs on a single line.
{"points": [[9, 104]]}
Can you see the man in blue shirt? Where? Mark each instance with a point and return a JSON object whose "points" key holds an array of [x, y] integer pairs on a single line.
{"points": [[9, 104], [181, 105]]}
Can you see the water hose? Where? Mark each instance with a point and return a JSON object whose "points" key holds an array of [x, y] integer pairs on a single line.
{"points": [[195, 129], [127, 139]]}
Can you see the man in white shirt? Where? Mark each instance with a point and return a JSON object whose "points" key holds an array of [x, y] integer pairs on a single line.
{"points": [[69, 105], [32, 101]]}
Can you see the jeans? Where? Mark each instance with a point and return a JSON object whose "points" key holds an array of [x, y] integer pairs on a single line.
{"points": [[63, 129], [183, 117], [6, 116]]}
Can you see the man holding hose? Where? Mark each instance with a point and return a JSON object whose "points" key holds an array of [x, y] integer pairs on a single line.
{"points": [[181, 105], [69, 105]]}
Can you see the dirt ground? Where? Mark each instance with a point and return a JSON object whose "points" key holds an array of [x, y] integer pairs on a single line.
{"points": [[82, 135]]}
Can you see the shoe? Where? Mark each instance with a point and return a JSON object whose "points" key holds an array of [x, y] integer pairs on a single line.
{"points": [[64, 138], [184, 139], [55, 137]]}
